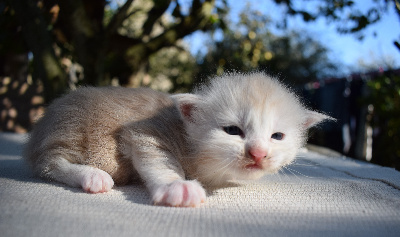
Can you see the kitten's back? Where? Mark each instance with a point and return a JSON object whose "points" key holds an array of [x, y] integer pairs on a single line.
{"points": [[83, 125]]}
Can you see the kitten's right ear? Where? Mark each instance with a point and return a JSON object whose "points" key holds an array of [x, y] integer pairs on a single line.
{"points": [[187, 104]]}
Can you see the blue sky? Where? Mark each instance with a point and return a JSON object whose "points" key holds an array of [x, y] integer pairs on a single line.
{"points": [[347, 49]]}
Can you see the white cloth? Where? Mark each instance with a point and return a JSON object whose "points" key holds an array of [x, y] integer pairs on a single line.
{"points": [[316, 196]]}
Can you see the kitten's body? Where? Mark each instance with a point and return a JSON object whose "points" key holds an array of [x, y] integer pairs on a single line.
{"points": [[237, 127]]}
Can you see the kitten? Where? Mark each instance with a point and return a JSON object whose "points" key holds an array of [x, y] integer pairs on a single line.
{"points": [[238, 126]]}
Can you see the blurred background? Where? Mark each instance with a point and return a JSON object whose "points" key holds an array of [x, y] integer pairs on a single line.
{"points": [[341, 56]]}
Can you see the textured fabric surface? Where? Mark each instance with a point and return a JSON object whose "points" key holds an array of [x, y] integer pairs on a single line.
{"points": [[316, 196]]}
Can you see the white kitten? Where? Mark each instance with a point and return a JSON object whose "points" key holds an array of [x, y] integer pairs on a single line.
{"points": [[236, 127]]}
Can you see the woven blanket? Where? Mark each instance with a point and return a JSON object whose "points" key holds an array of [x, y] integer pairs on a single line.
{"points": [[318, 195]]}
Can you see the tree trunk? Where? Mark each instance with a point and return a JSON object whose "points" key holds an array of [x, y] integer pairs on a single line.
{"points": [[82, 22], [46, 65]]}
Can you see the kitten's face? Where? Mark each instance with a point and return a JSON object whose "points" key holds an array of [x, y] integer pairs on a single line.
{"points": [[251, 127]]}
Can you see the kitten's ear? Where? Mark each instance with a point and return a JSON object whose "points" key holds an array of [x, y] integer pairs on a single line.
{"points": [[187, 104], [314, 118]]}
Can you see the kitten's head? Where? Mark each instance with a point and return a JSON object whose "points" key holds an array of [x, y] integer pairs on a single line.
{"points": [[244, 126]]}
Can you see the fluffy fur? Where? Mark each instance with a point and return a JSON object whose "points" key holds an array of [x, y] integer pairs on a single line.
{"points": [[235, 127]]}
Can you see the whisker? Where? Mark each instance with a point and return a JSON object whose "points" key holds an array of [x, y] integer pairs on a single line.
{"points": [[304, 165], [280, 173], [284, 173], [294, 172]]}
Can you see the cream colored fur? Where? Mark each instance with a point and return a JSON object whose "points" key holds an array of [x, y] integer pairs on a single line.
{"points": [[95, 137]]}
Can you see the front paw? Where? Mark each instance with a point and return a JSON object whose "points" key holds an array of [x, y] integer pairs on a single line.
{"points": [[96, 181], [180, 193]]}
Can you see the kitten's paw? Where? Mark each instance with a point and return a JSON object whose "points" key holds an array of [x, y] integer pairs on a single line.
{"points": [[97, 181], [180, 193]]}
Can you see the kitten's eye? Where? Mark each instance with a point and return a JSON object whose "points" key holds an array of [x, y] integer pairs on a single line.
{"points": [[278, 136], [233, 130]]}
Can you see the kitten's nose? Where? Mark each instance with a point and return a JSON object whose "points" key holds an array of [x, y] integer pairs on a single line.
{"points": [[257, 154]]}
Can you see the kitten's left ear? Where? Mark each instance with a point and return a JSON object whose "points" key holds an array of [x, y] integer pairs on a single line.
{"points": [[187, 104], [314, 118]]}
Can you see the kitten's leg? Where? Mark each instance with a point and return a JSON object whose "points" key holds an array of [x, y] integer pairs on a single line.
{"points": [[166, 182], [179, 193], [91, 179], [171, 190]]}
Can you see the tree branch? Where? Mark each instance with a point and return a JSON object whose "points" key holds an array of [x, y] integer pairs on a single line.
{"points": [[397, 44], [160, 6], [198, 18], [118, 18]]}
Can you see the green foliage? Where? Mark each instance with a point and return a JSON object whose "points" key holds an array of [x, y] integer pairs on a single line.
{"points": [[116, 41], [385, 98], [107, 41], [171, 70], [250, 45], [349, 18]]}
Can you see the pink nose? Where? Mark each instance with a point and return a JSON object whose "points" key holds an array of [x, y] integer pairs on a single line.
{"points": [[258, 154]]}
